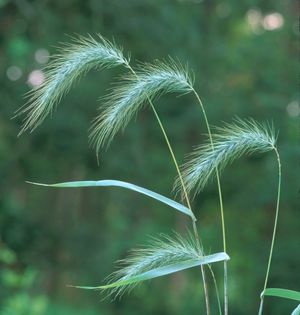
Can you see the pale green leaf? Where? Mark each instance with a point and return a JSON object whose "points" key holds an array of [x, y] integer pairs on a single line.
{"points": [[141, 190], [282, 293], [163, 271]]}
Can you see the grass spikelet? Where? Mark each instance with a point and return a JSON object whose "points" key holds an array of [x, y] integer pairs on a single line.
{"points": [[230, 142], [161, 252], [83, 54], [150, 81]]}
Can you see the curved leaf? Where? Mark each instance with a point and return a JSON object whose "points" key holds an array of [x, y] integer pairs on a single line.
{"points": [[141, 190], [282, 293], [162, 271]]}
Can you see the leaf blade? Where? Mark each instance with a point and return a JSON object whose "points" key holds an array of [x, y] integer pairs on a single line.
{"points": [[162, 271], [282, 293], [109, 182]]}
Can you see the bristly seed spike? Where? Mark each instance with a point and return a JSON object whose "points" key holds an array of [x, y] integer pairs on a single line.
{"points": [[77, 58], [134, 90], [230, 142]]}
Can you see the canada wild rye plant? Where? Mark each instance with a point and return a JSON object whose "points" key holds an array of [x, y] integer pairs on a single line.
{"points": [[166, 255]]}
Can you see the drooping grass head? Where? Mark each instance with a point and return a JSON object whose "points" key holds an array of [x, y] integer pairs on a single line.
{"points": [[133, 91], [229, 143], [75, 59]]}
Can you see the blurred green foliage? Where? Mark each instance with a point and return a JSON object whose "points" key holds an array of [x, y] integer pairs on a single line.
{"points": [[244, 61]]}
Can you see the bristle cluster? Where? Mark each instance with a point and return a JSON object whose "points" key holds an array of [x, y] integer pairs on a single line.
{"points": [[229, 143], [161, 252], [124, 101], [74, 60]]}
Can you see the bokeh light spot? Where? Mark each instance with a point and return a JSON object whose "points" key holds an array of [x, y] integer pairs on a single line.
{"points": [[36, 78], [42, 56], [293, 109], [14, 73], [273, 21]]}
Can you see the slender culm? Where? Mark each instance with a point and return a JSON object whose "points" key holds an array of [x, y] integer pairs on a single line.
{"points": [[74, 60], [230, 142], [183, 186], [208, 160], [124, 102], [131, 94], [274, 231]]}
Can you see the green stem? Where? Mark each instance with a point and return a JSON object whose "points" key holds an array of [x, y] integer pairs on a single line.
{"points": [[216, 286], [184, 190], [203, 273], [221, 203], [274, 231], [187, 201]]}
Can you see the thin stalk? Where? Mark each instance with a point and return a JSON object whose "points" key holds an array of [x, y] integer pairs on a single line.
{"points": [[216, 286], [221, 203], [206, 294], [185, 193], [274, 231]]}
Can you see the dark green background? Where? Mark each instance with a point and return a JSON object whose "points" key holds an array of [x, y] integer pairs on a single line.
{"points": [[50, 238]]}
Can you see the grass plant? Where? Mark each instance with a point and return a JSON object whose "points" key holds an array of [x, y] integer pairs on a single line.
{"points": [[138, 87]]}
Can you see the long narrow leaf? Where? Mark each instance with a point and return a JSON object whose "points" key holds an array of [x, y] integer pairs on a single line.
{"points": [[141, 190], [164, 256], [162, 271], [282, 293], [296, 311]]}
